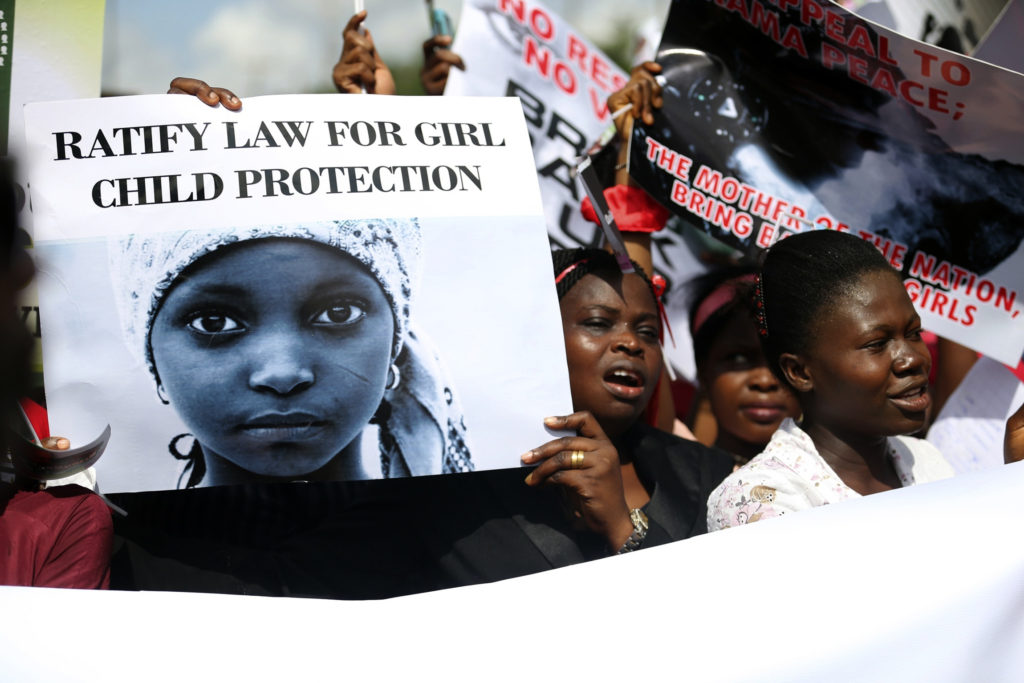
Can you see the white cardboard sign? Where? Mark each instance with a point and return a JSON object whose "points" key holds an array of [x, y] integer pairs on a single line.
{"points": [[319, 286]]}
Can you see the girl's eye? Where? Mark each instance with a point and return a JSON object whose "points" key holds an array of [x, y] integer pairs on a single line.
{"points": [[213, 323], [340, 314], [599, 323], [915, 333]]}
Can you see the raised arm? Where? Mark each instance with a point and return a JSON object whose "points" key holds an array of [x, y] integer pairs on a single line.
{"points": [[438, 61], [360, 68]]}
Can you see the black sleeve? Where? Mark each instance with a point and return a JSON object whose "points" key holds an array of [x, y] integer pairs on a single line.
{"points": [[656, 535], [681, 475]]}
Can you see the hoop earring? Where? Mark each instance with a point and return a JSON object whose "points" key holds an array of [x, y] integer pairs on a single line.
{"points": [[161, 394], [394, 377]]}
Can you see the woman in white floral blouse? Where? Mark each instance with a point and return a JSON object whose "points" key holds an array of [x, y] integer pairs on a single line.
{"points": [[838, 327]]}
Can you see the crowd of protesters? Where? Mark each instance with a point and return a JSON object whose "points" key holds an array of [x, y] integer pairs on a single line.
{"points": [[813, 387]]}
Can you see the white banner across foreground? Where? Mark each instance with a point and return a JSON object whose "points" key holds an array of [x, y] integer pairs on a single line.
{"points": [[317, 287], [920, 584]]}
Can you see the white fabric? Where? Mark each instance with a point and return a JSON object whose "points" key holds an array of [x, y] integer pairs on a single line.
{"points": [[85, 479], [918, 584], [790, 475]]}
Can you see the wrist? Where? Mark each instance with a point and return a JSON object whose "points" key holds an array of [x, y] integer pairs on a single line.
{"points": [[619, 532], [639, 525], [622, 163]]}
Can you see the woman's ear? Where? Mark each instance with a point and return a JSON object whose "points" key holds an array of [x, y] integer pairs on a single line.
{"points": [[796, 372]]}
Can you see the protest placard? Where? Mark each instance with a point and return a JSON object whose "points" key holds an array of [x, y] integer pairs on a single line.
{"points": [[521, 48], [951, 24], [801, 116], [307, 289], [969, 430], [1002, 45]]}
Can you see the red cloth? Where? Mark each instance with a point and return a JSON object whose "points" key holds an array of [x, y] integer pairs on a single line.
{"points": [[1019, 371], [59, 537], [632, 208], [37, 416]]}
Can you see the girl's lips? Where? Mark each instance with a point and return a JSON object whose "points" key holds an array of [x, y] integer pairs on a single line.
{"points": [[764, 414], [283, 432], [284, 427], [913, 401]]}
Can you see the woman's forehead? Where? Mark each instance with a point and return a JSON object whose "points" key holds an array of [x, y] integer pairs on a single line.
{"points": [[739, 329], [613, 289], [875, 298]]}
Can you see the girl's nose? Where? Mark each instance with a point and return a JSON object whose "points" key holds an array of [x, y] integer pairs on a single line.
{"points": [[628, 342], [280, 365], [910, 357], [763, 379]]}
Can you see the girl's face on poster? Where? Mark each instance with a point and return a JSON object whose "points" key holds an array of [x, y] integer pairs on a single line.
{"points": [[275, 353]]}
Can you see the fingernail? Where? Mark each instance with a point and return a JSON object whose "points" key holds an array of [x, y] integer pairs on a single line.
{"points": [[527, 456], [551, 421], [232, 98], [529, 478]]}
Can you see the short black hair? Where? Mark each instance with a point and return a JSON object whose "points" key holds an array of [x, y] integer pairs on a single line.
{"points": [[803, 275], [588, 261]]}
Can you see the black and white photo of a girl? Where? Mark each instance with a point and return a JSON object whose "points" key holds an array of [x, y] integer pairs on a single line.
{"points": [[289, 353]]}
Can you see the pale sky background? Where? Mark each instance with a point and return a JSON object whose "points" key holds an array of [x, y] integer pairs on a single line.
{"points": [[260, 47]]}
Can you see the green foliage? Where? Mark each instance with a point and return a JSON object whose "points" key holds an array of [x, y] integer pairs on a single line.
{"points": [[407, 77], [620, 50]]}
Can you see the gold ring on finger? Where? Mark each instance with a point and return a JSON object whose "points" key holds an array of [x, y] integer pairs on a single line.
{"points": [[576, 460]]}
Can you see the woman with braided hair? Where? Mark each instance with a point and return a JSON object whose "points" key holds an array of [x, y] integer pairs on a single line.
{"points": [[289, 353], [748, 402], [838, 328], [615, 486], [626, 483]]}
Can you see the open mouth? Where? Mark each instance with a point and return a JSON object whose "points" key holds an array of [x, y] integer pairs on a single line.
{"points": [[914, 400], [625, 383]]}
